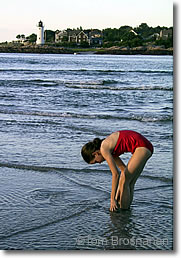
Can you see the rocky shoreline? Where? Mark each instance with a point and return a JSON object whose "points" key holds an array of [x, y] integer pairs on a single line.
{"points": [[142, 50]]}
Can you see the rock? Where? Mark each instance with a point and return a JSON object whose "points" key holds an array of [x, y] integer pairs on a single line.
{"points": [[141, 50]]}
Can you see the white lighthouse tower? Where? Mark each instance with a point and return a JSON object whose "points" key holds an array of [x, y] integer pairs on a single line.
{"points": [[40, 35]]}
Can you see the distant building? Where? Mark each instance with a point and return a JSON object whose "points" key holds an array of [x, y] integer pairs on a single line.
{"points": [[92, 37], [135, 33], [165, 34], [61, 36], [82, 37], [155, 36], [40, 34], [78, 37], [72, 36], [95, 37]]}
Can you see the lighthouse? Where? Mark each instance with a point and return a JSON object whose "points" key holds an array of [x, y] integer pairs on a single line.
{"points": [[40, 34]]}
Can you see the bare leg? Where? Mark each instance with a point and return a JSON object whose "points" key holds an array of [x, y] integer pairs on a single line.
{"points": [[125, 192], [132, 172]]}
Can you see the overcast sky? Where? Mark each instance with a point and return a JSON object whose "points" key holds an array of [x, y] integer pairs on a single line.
{"points": [[21, 17]]}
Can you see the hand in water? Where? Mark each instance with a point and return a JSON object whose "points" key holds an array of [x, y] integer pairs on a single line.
{"points": [[113, 206]]}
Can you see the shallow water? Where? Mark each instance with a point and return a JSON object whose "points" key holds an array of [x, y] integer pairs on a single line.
{"points": [[50, 105]]}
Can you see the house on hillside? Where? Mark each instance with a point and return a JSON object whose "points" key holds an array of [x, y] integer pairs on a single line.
{"points": [[135, 33], [96, 37], [72, 36], [92, 37], [165, 34], [154, 36], [78, 37], [61, 36]]}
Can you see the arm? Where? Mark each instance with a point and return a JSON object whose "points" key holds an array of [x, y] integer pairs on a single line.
{"points": [[120, 164], [115, 176]]}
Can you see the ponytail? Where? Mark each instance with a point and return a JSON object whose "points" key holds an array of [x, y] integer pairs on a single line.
{"points": [[90, 148], [97, 143]]}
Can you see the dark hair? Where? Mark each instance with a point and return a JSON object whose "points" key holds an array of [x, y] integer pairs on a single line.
{"points": [[89, 148]]}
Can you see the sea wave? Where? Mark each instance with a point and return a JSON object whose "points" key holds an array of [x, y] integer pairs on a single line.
{"points": [[16, 83], [94, 86], [97, 84], [141, 118], [107, 71], [64, 171], [89, 83]]}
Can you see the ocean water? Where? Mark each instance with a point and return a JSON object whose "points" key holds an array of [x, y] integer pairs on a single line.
{"points": [[51, 105]]}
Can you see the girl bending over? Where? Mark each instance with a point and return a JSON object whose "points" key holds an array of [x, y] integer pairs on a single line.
{"points": [[110, 149]]}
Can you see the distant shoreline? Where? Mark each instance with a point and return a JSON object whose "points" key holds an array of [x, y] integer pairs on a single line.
{"points": [[142, 50]]}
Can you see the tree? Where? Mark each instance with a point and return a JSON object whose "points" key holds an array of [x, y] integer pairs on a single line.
{"points": [[130, 39], [50, 36], [167, 43], [111, 34], [32, 38], [143, 30]]}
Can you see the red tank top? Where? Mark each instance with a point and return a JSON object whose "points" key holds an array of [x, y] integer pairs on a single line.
{"points": [[128, 141]]}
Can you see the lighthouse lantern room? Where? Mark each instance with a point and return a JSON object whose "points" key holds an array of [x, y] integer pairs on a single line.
{"points": [[40, 34]]}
